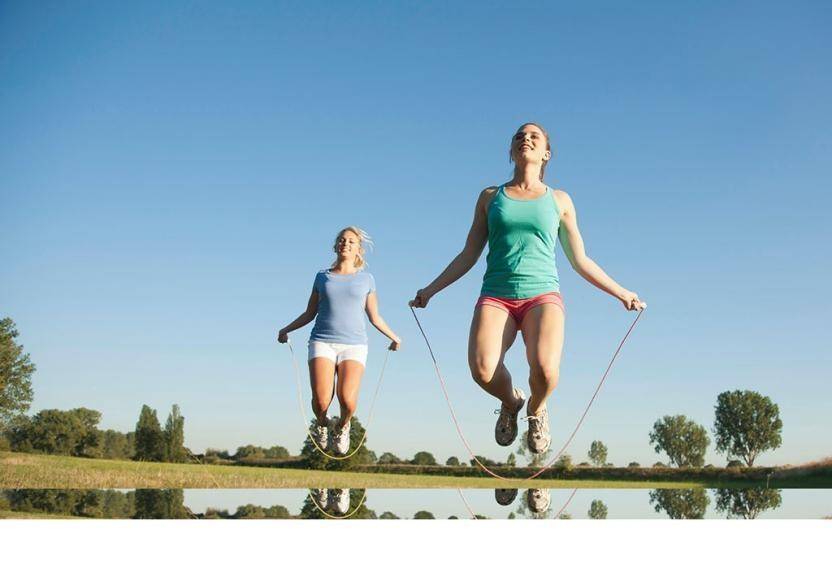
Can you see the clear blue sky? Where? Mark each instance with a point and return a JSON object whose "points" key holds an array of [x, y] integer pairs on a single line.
{"points": [[172, 175]]}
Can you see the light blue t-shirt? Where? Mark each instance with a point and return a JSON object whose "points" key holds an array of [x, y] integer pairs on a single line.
{"points": [[341, 302]]}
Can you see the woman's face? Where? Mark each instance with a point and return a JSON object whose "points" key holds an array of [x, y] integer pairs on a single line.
{"points": [[348, 245], [529, 145]]}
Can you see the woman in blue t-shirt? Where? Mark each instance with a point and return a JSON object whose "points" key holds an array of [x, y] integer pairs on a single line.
{"points": [[338, 342]]}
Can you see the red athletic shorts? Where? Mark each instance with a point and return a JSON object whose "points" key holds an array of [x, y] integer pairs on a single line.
{"points": [[518, 308]]}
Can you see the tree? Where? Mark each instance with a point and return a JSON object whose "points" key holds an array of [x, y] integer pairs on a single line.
{"points": [[597, 453], [634, 465], [423, 515], [16, 371], [511, 461], [535, 459], [150, 441], [684, 441], [423, 458], [389, 459], [117, 445], [598, 510], [452, 462], [174, 438], [154, 504], [564, 462], [388, 516], [315, 460], [747, 423], [746, 503], [58, 432], [277, 452], [687, 504]]}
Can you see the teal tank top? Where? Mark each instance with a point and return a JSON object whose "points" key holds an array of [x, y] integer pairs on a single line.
{"points": [[522, 236]]}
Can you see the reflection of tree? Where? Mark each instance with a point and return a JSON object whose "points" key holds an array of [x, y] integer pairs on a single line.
{"points": [[689, 504], [523, 510], [310, 512], [598, 510], [168, 503], [82, 503], [746, 503]]}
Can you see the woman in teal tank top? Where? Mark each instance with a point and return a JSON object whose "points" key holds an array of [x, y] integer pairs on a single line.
{"points": [[522, 221]]}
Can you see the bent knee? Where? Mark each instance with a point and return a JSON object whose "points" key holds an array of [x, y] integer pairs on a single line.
{"points": [[483, 370], [546, 372]]}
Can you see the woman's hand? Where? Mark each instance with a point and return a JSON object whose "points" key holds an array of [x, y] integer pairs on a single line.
{"points": [[396, 344], [631, 301], [282, 336], [421, 300]]}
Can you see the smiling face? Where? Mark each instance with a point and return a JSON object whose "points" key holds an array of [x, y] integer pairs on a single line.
{"points": [[530, 144], [348, 245]]}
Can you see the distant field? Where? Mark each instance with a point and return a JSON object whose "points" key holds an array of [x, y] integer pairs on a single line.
{"points": [[23, 470]]}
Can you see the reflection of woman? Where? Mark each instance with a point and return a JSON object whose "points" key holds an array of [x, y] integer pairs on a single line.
{"points": [[522, 221], [338, 343]]}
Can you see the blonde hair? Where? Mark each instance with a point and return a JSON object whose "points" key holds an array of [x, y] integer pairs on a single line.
{"points": [[548, 145], [364, 243]]}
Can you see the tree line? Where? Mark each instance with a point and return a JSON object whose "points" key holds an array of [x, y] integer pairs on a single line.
{"points": [[746, 424]]}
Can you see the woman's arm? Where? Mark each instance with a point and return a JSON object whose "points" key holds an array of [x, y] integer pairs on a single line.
{"points": [[465, 260], [304, 319], [573, 246], [375, 318]]}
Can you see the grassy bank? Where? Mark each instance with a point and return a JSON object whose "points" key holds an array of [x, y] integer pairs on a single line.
{"points": [[23, 470]]}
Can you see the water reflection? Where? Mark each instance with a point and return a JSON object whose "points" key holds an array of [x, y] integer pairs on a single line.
{"points": [[696, 503], [747, 503], [687, 504]]}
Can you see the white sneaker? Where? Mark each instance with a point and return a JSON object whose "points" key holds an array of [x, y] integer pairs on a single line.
{"points": [[321, 497], [340, 438], [339, 500], [505, 432], [320, 433], [538, 499], [538, 437], [505, 496]]}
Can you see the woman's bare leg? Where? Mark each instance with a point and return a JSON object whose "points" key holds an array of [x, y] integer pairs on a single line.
{"points": [[349, 381], [322, 379], [543, 329], [492, 333]]}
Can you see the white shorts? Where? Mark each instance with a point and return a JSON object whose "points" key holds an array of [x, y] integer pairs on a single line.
{"points": [[337, 352]]}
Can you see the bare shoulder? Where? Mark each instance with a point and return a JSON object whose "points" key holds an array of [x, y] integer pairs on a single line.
{"points": [[564, 202], [486, 195]]}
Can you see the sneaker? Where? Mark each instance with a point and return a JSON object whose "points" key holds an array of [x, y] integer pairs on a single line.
{"points": [[538, 499], [339, 501], [321, 497], [505, 432], [505, 496], [538, 437], [320, 434], [340, 438]]}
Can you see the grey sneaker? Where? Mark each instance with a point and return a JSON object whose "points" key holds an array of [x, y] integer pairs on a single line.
{"points": [[505, 432], [538, 437], [320, 434], [340, 438], [538, 499], [321, 497], [505, 496], [339, 500]]}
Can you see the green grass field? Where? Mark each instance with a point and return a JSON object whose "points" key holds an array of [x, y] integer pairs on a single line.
{"points": [[23, 470]]}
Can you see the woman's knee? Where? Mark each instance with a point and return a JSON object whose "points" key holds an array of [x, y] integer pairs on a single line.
{"points": [[546, 372], [483, 370], [319, 405], [348, 405]]}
